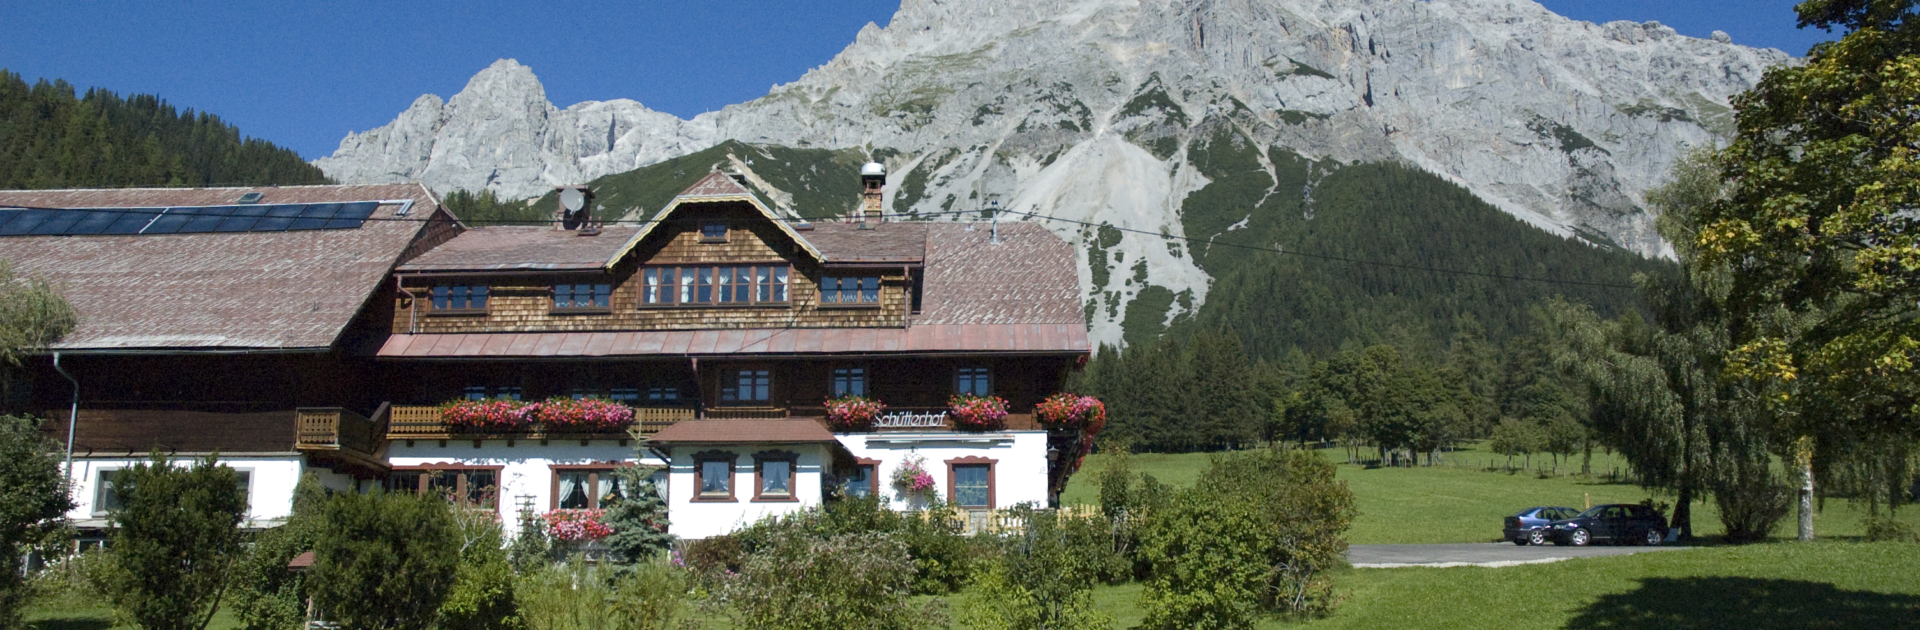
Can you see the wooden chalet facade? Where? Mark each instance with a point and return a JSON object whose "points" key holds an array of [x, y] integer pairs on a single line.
{"points": [[723, 324]]}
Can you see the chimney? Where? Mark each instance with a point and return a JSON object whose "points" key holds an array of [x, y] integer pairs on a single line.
{"points": [[575, 210], [873, 178]]}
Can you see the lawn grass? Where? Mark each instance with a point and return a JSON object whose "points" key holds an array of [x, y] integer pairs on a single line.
{"points": [[1465, 502], [100, 617]]}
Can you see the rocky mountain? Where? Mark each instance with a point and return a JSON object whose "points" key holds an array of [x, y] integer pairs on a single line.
{"points": [[1197, 118]]}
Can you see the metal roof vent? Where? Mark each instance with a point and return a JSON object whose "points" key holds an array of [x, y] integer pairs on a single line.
{"points": [[252, 197]]}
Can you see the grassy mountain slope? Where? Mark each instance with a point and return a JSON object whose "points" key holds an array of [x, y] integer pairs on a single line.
{"points": [[821, 183]]}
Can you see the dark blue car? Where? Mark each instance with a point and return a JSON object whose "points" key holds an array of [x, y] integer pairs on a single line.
{"points": [[1619, 523], [1529, 527]]}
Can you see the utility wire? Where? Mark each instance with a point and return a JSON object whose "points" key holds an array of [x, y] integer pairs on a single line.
{"points": [[1042, 217]]}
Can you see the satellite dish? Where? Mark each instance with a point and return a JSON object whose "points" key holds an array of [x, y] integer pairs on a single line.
{"points": [[573, 200]]}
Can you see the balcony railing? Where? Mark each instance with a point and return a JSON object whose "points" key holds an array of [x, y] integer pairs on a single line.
{"points": [[338, 429], [746, 413], [418, 422]]}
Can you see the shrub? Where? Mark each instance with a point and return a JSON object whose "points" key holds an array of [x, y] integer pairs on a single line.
{"points": [[33, 495], [797, 581], [384, 560], [176, 537], [1255, 536], [719, 554], [1890, 529], [265, 594], [1043, 575], [531, 549], [481, 597], [943, 558], [577, 595], [1752, 501]]}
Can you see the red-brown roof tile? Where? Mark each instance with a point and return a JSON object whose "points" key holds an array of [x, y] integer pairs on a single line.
{"points": [[1029, 277], [523, 247], [899, 242], [790, 431], [225, 290]]}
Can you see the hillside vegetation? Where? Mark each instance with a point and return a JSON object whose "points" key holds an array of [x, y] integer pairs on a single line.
{"points": [[50, 138]]}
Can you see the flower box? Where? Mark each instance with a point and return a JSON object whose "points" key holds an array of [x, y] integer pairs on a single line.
{"points": [[586, 415], [1071, 412], [488, 415], [853, 413], [577, 526], [978, 413]]}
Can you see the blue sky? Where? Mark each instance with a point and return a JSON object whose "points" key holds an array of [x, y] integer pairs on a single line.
{"points": [[304, 74]]}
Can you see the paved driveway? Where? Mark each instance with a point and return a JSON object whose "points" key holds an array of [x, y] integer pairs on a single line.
{"points": [[1479, 554]]}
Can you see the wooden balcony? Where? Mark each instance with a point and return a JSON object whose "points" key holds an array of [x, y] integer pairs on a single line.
{"points": [[746, 413], [416, 422], [336, 436]]}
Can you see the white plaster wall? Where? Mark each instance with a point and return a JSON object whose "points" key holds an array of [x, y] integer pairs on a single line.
{"points": [[269, 499], [702, 519], [526, 472], [1019, 474]]}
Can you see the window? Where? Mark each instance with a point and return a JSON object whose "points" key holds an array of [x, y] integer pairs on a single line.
{"points": [[105, 499], [746, 387], [585, 488], [844, 291], [624, 395], [977, 381], [850, 381], [713, 476], [706, 286], [859, 482], [475, 486], [773, 476], [713, 232], [460, 297], [581, 296], [483, 392], [970, 482], [663, 395]]}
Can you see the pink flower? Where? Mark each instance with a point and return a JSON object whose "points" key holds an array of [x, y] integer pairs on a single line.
{"points": [[577, 525]]}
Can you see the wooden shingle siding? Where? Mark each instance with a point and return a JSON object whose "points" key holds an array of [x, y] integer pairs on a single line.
{"points": [[523, 303]]}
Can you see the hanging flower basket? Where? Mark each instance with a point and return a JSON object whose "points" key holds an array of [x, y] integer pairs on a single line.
{"points": [[1066, 411], [587, 415], [853, 413], [911, 479], [577, 525], [978, 413], [489, 415]]}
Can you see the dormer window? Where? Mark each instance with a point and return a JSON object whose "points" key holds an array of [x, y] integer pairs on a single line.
{"points": [[577, 297], [460, 297], [713, 286], [713, 231], [856, 291]]}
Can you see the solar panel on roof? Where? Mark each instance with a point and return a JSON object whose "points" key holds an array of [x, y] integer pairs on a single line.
{"points": [[95, 222], [185, 219], [129, 222], [278, 218], [169, 221], [352, 215], [207, 219], [25, 222]]}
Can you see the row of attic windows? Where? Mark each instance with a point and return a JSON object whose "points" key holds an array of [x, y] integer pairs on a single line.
{"points": [[696, 285], [749, 386]]}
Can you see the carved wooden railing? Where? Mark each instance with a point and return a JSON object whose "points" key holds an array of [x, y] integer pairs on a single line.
{"points": [[746, 413], [336, 428], [416, 422]]}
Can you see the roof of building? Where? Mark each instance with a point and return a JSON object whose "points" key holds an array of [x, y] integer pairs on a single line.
{"points": [[1029, 277], [788, 431], [715, 187], [235, 290], [919, 339], [904, 243], [540, 248]]}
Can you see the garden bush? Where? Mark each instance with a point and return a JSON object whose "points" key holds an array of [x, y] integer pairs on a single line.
{"points": [[176, 538], [715, 555], [1889, 529], [1255, 536], [579, 595], [33, 495], [1752, 500], [481, 597], [384, 561], [1043, 573], [795, 580], [267, 596]]}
